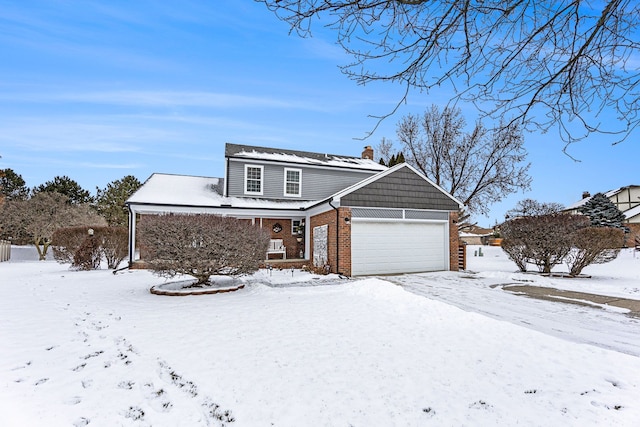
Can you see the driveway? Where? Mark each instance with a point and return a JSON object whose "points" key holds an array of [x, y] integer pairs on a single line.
{"points": [[610, 328], [579, 298]]}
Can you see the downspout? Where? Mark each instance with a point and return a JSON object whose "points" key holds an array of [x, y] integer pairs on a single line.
{"points": [[226, 179], [132, 225], [337, 237]]}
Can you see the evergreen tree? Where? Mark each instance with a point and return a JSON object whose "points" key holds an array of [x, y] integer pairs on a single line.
{"points": [[12, 186], [395, 159], [602, 212], [110, 201], [400, 158], [65, 186]]}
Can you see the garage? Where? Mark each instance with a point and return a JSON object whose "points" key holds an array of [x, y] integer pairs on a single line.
{"points": [[398, 246], [396, 221]]}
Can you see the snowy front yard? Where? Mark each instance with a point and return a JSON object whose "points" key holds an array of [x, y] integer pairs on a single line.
{"points": [[91, 348]]}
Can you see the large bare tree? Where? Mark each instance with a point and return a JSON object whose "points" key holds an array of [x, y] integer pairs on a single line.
{"points": [[37, 218], [541, 62], [531, 207], [478, 168]]}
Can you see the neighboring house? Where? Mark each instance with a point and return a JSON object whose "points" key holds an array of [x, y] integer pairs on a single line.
{"points": [[627, 199], [477, 235], [349, 213]]}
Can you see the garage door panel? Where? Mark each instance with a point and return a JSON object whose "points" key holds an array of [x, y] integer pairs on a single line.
{"points": [[397, 247]]}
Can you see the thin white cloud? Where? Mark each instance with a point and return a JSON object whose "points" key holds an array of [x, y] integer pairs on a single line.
{"points": [[311, 100], [64, 135], [93, 165], [157, 99]]}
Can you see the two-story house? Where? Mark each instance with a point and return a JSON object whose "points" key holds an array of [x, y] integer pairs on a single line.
{"points": [[627, 199], [350, 213]]}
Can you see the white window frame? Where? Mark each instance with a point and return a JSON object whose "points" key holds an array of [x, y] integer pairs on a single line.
{"points": [[294, 227], [246, 180], [299, 194]]}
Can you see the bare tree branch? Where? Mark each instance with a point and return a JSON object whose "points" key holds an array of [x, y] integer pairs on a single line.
{"points": [[572, 64], [479, 168]]}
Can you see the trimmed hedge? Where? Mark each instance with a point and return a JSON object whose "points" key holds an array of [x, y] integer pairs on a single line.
{"points": [[75, 246]]}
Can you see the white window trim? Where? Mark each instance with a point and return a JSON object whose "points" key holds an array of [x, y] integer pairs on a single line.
{"points": [[284, 191], [246, 171], [293, 227]]}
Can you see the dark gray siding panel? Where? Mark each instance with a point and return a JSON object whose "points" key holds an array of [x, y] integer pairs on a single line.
{"points": [[317, 183], [400, 189]]}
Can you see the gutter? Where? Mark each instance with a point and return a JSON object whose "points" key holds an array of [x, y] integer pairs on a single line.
{"points": [[221, 206]]}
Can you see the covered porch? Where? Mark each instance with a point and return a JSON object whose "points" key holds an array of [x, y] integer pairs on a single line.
{"points": [[177, 194]]}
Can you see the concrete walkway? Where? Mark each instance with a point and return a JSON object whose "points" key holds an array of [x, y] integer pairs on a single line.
{"points": [[572, 297]]}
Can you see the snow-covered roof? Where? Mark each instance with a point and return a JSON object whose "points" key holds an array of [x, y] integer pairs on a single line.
{"points": [[631, 213], [467, 234], [607, 194], [300, 157], [198, 191]]}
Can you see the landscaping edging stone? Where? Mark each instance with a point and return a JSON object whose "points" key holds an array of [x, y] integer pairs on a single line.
{"points": [[157, 290]]}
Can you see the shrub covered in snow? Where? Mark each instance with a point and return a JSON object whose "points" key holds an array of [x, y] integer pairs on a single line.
{"points": [[201, 245], [594, 245], [66, 242], [543, 240], [76, 246], [114, 244], [549, 240]]}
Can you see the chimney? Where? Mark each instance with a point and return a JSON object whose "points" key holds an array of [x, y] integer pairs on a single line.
{"points": [[367, 153], [586, 194]]}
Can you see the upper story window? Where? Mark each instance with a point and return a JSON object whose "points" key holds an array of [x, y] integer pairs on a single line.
{"points": [[253, 179], [292, 182]]}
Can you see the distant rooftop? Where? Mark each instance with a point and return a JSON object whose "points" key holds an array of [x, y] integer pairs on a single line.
{"points": [[607, 194]]}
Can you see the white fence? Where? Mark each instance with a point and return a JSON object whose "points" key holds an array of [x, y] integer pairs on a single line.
{"points": [[5, 250]]}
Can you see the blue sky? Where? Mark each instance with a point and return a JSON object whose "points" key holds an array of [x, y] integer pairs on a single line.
{"points": [[99, 90]]}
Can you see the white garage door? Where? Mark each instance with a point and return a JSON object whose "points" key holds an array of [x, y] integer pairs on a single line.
{"points": [[379, 247]]}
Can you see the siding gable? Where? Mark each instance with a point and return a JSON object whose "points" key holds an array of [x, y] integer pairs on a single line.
{"points": [[403, 189]]}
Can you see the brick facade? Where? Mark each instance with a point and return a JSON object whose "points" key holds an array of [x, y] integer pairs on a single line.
{"points": [[328, 218], [339, 260], [344, 235], [454, 241], [289, 239], [339, 257]]}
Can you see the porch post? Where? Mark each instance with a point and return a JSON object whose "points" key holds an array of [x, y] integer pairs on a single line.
{"points": [[307, 237], [132, 236]]}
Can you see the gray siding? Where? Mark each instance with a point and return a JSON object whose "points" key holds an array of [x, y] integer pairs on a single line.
{"points": [[317, 183], [400, 189]]}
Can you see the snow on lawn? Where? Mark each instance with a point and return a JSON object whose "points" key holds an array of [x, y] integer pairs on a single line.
{"points": [[93, 348], [619, 278]]}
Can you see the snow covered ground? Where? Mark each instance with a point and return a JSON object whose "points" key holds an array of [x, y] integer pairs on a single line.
{"points": [[480, 291], [97, 349]]}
